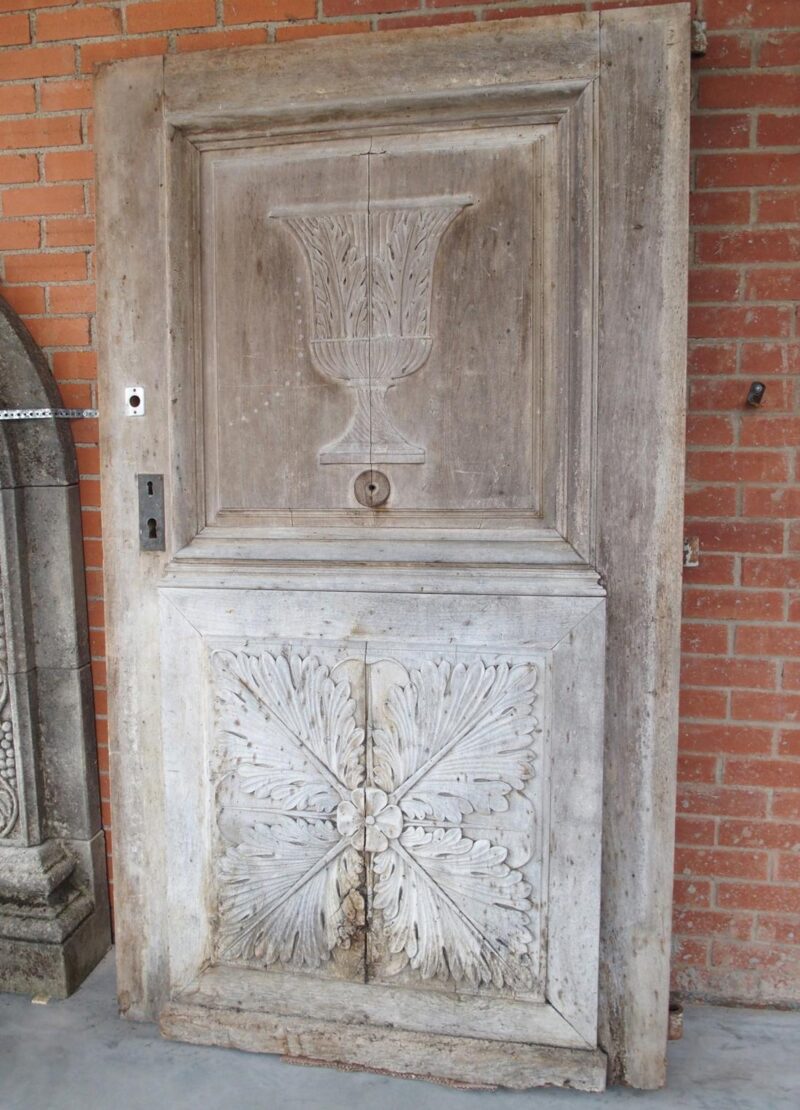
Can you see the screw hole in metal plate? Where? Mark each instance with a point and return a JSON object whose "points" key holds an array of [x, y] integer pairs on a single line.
{"points": [[372, 489]]}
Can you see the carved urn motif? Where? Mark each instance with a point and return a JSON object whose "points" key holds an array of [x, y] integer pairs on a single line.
{"points": [[371, 268]]}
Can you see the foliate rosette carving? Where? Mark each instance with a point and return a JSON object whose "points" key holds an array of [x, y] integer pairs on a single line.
{"points": [[369, 820], [371, 268], [451, 748]]}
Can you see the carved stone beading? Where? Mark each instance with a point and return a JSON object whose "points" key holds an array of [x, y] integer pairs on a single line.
{"points": [[336, 810], [9, 787]]}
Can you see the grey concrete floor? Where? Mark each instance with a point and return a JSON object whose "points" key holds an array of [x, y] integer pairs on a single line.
{"points": [[78, 1055]]}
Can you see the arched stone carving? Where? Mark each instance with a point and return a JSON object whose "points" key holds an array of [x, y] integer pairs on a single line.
{"points": [[54, 921]]}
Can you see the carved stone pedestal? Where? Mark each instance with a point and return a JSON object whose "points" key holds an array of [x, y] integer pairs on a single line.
{"points": [[54, 920], [53, 928]]}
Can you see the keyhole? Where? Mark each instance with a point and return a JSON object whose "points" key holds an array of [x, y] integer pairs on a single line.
{"points": [[152, 528], [372, 489], [150, 489]]}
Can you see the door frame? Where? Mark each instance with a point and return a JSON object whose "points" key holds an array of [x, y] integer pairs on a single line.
{"points": [[637, 62]]}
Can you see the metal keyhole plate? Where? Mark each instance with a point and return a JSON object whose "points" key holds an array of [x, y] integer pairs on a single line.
{"points": [[372, 489]]}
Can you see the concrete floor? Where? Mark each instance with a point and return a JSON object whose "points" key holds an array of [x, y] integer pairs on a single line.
{"points": [[78, 1055]]}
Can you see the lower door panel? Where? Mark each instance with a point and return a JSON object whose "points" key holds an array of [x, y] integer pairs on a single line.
{"points": [[384, 811]]}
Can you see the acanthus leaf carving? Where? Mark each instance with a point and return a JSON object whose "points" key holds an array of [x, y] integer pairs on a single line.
{"points": [[335, 244], [455, 741], [289, 893], [290, 728], [290, 889], [406, 238], [453, 909]]}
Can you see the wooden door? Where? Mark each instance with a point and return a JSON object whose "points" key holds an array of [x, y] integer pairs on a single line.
{"points": [[374, 648]]}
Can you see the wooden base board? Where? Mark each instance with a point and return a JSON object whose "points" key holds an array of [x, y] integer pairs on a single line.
{"points": [[463, 1060]]}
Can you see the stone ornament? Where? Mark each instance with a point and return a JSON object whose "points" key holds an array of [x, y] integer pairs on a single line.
{"points": [[9, 805], [9, 790], [337, 810], [54, 923], [371, 269]]}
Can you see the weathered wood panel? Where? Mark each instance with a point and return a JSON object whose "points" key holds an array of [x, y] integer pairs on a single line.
{"points": [[643, 165], [133, 333], [340, 791], [336, 338], [248, 87], [346, 1001], [457, 1059]]}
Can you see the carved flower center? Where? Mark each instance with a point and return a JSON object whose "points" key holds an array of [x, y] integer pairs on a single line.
{"points": [[368, 820]]}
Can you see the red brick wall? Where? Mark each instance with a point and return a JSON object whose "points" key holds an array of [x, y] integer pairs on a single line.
{"points": [[737, 911]]}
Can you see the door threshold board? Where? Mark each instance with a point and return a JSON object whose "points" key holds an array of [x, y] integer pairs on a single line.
{"points": [[468, 1061]]}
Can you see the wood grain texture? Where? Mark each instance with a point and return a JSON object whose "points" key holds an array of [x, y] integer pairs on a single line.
{"points": [[469, 481], [452, 1014], [132, 321], [329, 612], [354, 345], [643, 164], [238, 88], [484, 452], [575, 821], [462, 1059]]}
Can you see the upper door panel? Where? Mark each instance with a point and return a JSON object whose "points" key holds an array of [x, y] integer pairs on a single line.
{"points": [[381, 302]]}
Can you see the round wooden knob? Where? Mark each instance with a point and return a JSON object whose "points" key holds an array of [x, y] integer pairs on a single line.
{"points": [[372, 489]]}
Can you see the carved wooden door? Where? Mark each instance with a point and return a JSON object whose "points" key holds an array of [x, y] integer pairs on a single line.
{"points": [[366, 678], [394, 799]]}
